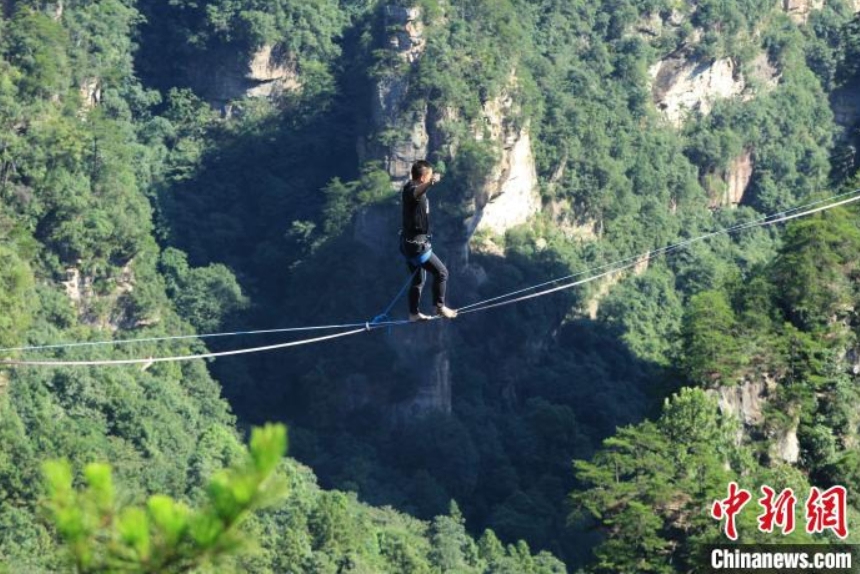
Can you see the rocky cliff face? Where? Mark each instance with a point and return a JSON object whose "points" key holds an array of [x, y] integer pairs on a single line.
{"points": [[579, 230], [420, 351], [845, 103], [90, 92], [55, 9], [98, 309], [746, 402], [799, 10], [681, 83], [268, 72], [738, 178], [726, 188], [434, 391], [408, 128], [509, 196]]}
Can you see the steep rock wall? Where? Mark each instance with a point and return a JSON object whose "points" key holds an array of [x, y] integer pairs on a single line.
{"points": [[90, 91], [509, 195], [425, 352], [845, 103], [268, 72], [580, 230], [104, 311], [682, 84], [406, 130], [799, 10], [738, 177], [746, 401], [726, 188]]}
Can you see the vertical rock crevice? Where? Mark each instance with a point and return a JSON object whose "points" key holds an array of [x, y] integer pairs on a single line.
{"points": [[406, 128], [400, 131]]}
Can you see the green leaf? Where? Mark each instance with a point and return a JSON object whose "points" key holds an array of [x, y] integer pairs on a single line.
{"points": [[170, 517], [268, 446], [98, 477], [133, 528]]}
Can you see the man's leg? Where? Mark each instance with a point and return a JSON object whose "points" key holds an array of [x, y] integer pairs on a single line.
{"points": [[415, 289], [440, 279]]}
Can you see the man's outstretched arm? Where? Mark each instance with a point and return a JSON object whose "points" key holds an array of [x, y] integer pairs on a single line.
{"points": [[422, 188]]}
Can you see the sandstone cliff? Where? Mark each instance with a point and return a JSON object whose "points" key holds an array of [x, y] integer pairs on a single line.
{"points": [[401, 133], [509, 196], [726, 187], [683, 84], [747, 401], [267, 72], [99, 307]]}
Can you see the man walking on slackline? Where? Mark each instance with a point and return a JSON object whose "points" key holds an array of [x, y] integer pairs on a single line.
{"points": [[415, 242]]}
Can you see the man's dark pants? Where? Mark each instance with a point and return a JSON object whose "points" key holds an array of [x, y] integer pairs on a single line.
{"points": [[440, 281]]}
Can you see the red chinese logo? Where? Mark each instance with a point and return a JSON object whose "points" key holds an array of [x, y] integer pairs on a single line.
{"points": [[778, 511], [729, 507], [827, 511]]}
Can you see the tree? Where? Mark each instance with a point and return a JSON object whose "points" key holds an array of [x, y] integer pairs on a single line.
{"points": [[204, 296], [815, 269], [709, 332], [650, 485], [453, 550], [38, 46], [849, 65], [165, 535], [16, 297]]}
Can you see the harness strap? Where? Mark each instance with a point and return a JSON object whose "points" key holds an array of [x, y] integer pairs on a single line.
{"points": [[419, 260], [418, 239]]}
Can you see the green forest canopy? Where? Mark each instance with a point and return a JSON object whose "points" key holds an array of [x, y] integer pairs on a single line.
{"points": [[146, 180]]}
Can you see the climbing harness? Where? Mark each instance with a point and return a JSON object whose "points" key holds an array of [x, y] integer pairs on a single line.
{"points": [[416, 250], [383, 319], [420, 260]]}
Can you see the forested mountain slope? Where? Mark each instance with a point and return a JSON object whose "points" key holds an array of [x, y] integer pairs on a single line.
{"points": [[84, 145], [186, 167]]}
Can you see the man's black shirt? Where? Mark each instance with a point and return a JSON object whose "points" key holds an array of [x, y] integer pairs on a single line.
{"points": [[416, 212]]}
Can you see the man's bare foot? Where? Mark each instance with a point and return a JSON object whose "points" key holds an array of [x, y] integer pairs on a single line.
{"points": [[447, 313]]}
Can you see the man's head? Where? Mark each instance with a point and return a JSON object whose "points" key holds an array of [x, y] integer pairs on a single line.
{"points": [[422, 171]]}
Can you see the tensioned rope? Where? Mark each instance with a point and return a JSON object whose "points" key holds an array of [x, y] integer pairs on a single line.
{"points": [[183, 357], [493, 302], [390, 323], [201, 336], [381, 320], [759, 222], [647, 256]]}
